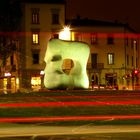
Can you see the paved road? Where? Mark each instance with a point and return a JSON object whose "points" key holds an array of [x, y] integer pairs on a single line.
{"points": [[11, 130]]}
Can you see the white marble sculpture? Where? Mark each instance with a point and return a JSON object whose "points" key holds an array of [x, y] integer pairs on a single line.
{"points": [[57, 51]]}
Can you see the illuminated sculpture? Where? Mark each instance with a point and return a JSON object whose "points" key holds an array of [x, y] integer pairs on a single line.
{"points": [[57, 51]]}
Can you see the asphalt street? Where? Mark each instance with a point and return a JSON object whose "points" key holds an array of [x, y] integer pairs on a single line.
{"points": [[12, 130]]}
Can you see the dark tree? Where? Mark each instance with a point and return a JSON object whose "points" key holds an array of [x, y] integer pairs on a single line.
{"points": [[10, 16]]}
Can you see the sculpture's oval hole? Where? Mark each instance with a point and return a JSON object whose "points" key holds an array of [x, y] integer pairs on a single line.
{"points": [[67, 65]]}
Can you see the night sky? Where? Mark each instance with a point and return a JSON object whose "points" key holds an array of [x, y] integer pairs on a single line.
{"points": [[125, 11]]}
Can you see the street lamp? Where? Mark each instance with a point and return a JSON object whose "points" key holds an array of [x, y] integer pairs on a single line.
{"points": [[65, 34], [135, 73], [42, 72], [7, 74]]}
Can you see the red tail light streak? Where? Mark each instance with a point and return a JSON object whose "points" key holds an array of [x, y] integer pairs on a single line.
{"points": [[69, 118], [58, 104]]}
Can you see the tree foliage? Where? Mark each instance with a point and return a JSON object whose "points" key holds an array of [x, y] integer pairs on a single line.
{"points": [[10, 15]]}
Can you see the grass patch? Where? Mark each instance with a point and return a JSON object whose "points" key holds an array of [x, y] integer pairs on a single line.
{"points": [[66, 110], [69, 111]]}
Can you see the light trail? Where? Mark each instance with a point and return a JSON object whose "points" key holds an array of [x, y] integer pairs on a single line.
{"points": [[79, 103], [90, 96], [69, 118], [100, 35]]}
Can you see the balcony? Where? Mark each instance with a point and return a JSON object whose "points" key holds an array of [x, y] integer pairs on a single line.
{"points": [[100, 65]]}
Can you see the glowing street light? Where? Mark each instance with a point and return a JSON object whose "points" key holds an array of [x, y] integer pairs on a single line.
{"points": [[65, 34], [7, 74], [135, 71], [42, 72]]}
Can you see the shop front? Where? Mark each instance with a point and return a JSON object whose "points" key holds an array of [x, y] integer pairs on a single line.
{"points": [[111, 80], [9, 83]]}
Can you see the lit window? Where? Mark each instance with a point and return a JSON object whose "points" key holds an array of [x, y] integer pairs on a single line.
{"points": [[35, 16], [35, 38], [36, 81], [110, 58], [94, 38]]}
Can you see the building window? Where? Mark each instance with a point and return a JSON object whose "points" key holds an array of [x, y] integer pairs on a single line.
{"points": [[111, 79], [55, 19], [94, 38], [134, 44], [132, 61], [35, 57], [55, 16], [12, 60], [35, 15], [35, 38], [110, 58], [127, 59], [36, 82], [136, 62], [110, 39], [94, 60], [56, 36], [126, 41], [78, 37]]}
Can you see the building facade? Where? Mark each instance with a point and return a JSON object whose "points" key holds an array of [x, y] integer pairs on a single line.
{"points": [[40, 20], [114, 56], [114, 49]]}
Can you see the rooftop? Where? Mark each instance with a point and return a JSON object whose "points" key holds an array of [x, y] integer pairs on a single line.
{"points": [[79, 22], [45, 1]]}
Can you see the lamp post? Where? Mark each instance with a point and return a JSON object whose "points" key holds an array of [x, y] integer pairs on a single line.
{"points": [[134, 77]]}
